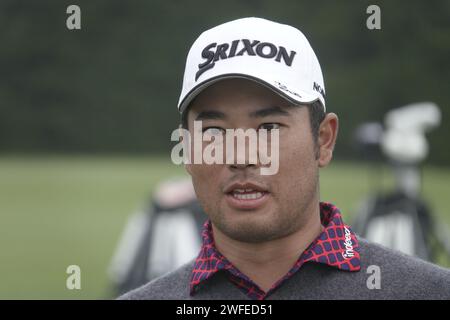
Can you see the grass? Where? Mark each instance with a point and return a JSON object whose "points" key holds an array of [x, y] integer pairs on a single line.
{"points": [[58, 211]]}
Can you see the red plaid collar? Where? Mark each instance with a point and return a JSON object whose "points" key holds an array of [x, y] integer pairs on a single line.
{"points": [[337, 246]]}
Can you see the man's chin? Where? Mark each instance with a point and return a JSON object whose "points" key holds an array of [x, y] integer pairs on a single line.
{"points": [[248, 227]]}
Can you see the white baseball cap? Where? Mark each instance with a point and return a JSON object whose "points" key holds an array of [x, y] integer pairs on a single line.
{"points": [[275, 55]]}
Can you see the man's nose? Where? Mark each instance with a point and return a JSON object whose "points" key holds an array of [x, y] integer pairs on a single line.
{"points": [[242, 158]]}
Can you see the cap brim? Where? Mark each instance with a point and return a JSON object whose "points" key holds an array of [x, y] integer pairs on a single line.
{"points": [[295, 98]]}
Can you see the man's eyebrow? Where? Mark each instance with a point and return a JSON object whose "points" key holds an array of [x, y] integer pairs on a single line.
{"points": [[270, 111], [210, 114]]}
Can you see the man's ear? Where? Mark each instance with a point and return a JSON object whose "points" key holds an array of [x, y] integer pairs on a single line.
{"points": [[328, 131]]}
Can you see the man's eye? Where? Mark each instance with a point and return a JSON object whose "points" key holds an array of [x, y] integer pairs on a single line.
{"points": [[269, 126], [213, 131]]}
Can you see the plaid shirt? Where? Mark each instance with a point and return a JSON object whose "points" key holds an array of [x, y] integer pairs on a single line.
{"points": [[337, 246]]}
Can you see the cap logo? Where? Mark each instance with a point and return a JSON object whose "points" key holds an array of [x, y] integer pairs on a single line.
{"points": [[319, 89], [213, 53], [284, 88]]}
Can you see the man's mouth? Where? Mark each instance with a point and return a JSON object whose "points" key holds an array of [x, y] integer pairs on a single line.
{"points": [[246, 196]]}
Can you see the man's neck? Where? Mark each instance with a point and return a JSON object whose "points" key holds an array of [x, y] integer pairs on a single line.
{"points": [[266, 263]]}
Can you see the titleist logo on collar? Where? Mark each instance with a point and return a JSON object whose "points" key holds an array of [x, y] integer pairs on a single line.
{"points": [[213, 53]]}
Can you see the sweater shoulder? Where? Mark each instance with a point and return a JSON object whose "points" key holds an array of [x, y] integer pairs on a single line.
{"points": [[171, 286], [410, 274], [376, 254]]}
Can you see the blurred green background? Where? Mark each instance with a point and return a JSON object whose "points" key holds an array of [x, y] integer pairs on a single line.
{"points": [[86, 116], [58, 211]]}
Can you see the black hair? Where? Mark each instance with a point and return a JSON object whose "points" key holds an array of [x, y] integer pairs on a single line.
{"points": [[316, 116]]}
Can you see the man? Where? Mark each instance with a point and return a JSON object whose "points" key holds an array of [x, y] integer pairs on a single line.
{"points": [[268, 236]]}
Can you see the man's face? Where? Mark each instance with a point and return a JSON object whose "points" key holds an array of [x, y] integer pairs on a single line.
{"points": [[275, 205]]}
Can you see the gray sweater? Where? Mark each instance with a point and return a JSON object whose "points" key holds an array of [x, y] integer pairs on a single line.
{"points": [[384, 274]]}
